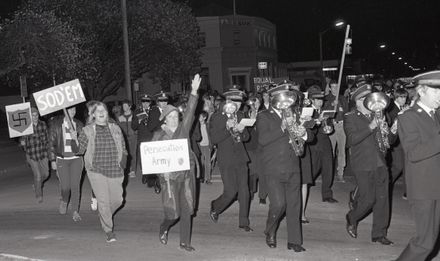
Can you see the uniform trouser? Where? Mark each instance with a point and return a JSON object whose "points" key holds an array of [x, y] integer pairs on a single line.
{"points": [[152, 179], [373, 195], [322, 163], [183, 209], [262, 186], [253, 171], [132, 148], [338, 140], [426, 214], [205, 159], [285, 197], [40, 170], [69, 173], [235, 181], [397, 163], [108, 192]]}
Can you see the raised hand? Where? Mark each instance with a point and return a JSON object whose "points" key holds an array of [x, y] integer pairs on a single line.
{"points": [[195, 83]]}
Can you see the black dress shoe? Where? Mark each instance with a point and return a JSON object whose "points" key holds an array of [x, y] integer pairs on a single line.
{"points": [[213, 214], [144, 179], [262, 201], [330, 200], [271, 241], [305, 221], [186, 247], [351, 228], [163, 236], [157, 187], [246, 228], [383, 241], [295, 247]]}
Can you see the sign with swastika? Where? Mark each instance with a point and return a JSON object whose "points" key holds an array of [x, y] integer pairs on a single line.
{"points": [[19, 119]]}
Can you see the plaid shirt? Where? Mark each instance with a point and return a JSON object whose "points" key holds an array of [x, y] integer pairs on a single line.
{"points": [[36, 144], [105, 157]]}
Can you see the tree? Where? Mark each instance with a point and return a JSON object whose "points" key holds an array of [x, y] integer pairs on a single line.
{"points": [[162, 34], [40, 46]]}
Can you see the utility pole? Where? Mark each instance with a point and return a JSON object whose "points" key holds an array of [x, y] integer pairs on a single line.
{"points": [[127, 81]]}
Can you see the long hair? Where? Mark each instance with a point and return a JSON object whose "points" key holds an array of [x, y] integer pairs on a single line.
{"points": [[93, 108]]}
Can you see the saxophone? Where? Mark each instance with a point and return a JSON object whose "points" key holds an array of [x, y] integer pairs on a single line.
{"points": [[283, 101], [230, 110], [377, 102]]}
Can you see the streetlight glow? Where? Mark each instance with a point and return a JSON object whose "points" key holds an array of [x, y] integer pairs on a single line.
{"points": [[393, 53], [400, 58], [339, 23], [405, 63], [382, 46]]}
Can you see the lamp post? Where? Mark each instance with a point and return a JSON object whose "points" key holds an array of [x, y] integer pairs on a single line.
{"points": [[127, 81], [338, 24]]}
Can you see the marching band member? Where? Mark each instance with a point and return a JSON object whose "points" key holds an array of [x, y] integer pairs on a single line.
{"points": [[367, 157], [229, 135], [419, 133], [282, 139]]}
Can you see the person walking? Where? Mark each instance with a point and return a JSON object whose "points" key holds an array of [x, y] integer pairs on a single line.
{"points": [[178, 188], [62, 143], [105, 157], [125, 123]]}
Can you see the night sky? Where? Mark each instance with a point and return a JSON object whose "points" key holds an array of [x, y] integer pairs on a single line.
{"points": [[408, 27]]}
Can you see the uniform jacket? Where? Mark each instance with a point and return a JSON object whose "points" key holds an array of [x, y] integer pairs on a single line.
{"points": [[420, 138], [56, 137], [228, 152], [364, 150], [146, 122], [322, 140], [276, 152], [185, 178]]}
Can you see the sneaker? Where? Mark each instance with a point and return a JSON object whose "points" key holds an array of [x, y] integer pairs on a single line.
{"points": [[132, 174], [63, 207], [111, 237], [76, 217], [94, 204]]}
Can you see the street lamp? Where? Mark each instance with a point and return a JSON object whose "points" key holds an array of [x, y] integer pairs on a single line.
{"points": [[382, 46], [338, 24]]}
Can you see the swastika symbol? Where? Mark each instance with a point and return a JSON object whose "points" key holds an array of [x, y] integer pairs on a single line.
{"points": [[20, 119]]}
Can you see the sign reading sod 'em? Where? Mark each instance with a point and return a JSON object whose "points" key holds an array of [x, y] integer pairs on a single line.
{"points": [[164, 156], [59, 97]]}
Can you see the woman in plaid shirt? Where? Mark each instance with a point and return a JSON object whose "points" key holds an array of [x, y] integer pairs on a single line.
{"points": [[105, 159], [36, 147]]}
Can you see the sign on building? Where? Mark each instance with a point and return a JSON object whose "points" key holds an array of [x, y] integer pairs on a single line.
{"points": [[59, 97], [19, 119], [262, 65], [164, 156]]}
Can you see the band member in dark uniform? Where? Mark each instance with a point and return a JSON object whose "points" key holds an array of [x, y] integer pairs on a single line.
{"points": [[229, 135], [367, 156], [282, 139], [397, 160], [419, 133], [321, 147]]}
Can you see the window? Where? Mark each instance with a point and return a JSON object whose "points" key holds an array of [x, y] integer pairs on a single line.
{"points": [[236, 38]]}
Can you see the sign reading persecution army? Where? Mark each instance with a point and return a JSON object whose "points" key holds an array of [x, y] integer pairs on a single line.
{"points": [[19, 119], [59, 97], [164, 156]]}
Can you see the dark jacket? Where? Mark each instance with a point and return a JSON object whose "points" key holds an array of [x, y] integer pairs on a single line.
{"points": [[228, 152], [185, 178], [56, 139], [364, 150], [420, 138], [146, 122], [277, 154]]}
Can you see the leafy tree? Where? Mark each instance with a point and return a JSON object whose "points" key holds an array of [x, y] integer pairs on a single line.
{"points": [[41, 46], [162, 36]]}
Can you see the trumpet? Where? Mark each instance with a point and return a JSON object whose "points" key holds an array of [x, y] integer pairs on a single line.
{"points": [[283, 102], [230, 110], [377, 102]]}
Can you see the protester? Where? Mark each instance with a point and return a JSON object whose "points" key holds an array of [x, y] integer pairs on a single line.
{"points": [[36, 147], [62, 143], [178, 188], [105, 159], [125, 123]]}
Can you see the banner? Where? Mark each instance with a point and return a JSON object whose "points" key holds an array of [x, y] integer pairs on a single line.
{"points": [[262, 83], [59, 97], [164, 156], [19, 119]]}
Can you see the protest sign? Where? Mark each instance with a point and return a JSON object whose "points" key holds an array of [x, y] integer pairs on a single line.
{"points": [[164, 156], [59, 97], [19, 119]]}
